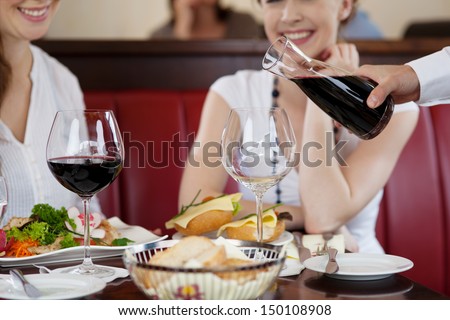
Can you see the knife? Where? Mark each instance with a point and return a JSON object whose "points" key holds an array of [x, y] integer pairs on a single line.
{"points": [[332, 265], [303, 252], [30, 290]]}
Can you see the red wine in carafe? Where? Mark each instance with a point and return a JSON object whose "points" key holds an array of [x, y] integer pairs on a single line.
{"points": [[344, 98]]}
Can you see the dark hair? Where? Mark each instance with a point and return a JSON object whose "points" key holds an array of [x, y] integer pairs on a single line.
{"points": [[5, 73], [221, 12]]}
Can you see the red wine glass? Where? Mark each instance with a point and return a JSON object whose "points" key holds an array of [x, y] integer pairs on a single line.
{"points": [[85, 154]]}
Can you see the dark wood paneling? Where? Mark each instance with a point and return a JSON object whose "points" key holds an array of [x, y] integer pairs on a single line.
{"points": [[194, 64]]}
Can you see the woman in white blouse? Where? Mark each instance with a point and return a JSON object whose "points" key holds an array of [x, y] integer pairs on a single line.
{"points": [[323, 198], [33, 87]]}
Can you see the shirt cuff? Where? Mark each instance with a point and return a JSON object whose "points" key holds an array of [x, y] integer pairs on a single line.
{"points": [[433, 72]]}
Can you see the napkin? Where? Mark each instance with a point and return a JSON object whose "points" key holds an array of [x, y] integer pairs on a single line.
{"points": [[292, 265], [316, 241]]}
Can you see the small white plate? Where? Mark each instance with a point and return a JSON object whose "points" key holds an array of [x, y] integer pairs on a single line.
{"points": [[361, 266], [284, 238], [53, 286], [136, 233]]}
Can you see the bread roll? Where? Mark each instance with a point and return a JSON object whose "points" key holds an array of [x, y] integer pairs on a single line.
{"points": [[206, 222], [209, 215], [250, 233]]}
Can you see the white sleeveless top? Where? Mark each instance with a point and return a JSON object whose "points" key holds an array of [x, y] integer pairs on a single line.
{"points": [[251, 88]]}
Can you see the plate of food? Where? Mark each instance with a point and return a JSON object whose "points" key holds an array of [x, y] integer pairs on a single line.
{"points": [[31, 244], [215, 216]]}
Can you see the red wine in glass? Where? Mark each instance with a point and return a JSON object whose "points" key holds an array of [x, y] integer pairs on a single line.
{"points": [[85, 175], [85, 154]]}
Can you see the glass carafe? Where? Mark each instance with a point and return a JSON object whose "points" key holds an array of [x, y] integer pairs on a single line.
{"points": [[338, 93]]}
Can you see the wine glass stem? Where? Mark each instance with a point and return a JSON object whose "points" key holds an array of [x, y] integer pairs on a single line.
{"points": [[87, 266], [259, 215]]}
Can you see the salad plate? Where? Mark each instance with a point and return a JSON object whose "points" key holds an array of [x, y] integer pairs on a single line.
{"points": [[136, 233], [53, 286], [361, 266], [284, 238]]}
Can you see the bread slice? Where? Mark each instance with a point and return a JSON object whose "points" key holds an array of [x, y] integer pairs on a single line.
{"points": [[186, 249], [213, 257]]}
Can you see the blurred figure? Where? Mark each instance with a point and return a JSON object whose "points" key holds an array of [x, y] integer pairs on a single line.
{"points": [[207, 19], [360, 27]]}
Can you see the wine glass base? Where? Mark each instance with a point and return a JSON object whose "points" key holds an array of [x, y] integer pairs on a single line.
{"points": [[96, 271]]}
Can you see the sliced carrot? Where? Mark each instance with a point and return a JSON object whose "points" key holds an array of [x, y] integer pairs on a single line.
{"points": [[20, 248]]}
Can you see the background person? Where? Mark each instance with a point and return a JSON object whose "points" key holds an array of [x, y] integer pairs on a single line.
{"points": [[207, 19]]}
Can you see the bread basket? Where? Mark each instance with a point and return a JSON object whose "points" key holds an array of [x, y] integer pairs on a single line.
{"points": [[236, 282]]}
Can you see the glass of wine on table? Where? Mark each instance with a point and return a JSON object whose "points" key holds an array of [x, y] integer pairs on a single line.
{"points": [[258, 151], [85, 154]]}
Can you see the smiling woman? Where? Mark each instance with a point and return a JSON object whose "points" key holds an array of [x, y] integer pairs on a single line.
{"points": [[328, 196], [34, 86]]}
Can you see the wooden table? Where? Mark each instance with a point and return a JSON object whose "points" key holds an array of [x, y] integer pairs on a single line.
{"points": [[309, 285]]}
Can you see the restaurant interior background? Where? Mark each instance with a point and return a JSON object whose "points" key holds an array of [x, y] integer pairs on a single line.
{"points": [[136, 19]]}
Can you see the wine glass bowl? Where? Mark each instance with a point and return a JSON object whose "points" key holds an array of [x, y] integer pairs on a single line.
{"points": [[258, 151], [85, 154]]}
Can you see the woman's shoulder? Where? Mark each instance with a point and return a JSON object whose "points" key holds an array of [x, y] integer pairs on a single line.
{"points": [[43, 62], [245, 88], [243, 78]]}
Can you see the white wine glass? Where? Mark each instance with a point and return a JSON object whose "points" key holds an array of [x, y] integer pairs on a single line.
{"points": [[258, 151], [85, 154], [3, 199]]}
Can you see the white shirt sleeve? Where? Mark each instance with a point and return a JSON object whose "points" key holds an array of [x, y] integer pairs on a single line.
{"points": [[433, 72]]}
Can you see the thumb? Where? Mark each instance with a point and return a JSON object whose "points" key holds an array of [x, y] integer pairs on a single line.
{"points": [[377, 96]]}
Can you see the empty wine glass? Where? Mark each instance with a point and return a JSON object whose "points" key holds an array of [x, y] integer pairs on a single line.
{"points": [[258, 151], [85, 154], [3, 198]]}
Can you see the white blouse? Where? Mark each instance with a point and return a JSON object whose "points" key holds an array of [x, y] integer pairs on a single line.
{"points": [[29, 180]]}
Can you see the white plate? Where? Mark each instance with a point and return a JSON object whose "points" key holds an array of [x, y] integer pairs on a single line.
{"points": [[53, 286], [360, 266], [284, 238], [138, 234]]}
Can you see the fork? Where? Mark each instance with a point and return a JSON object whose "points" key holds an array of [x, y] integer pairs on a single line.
{"points": [[29, 289], [324, 250]]}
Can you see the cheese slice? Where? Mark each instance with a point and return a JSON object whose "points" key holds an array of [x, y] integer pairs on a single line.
{"points": [[269, 221], [224, 203]]}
